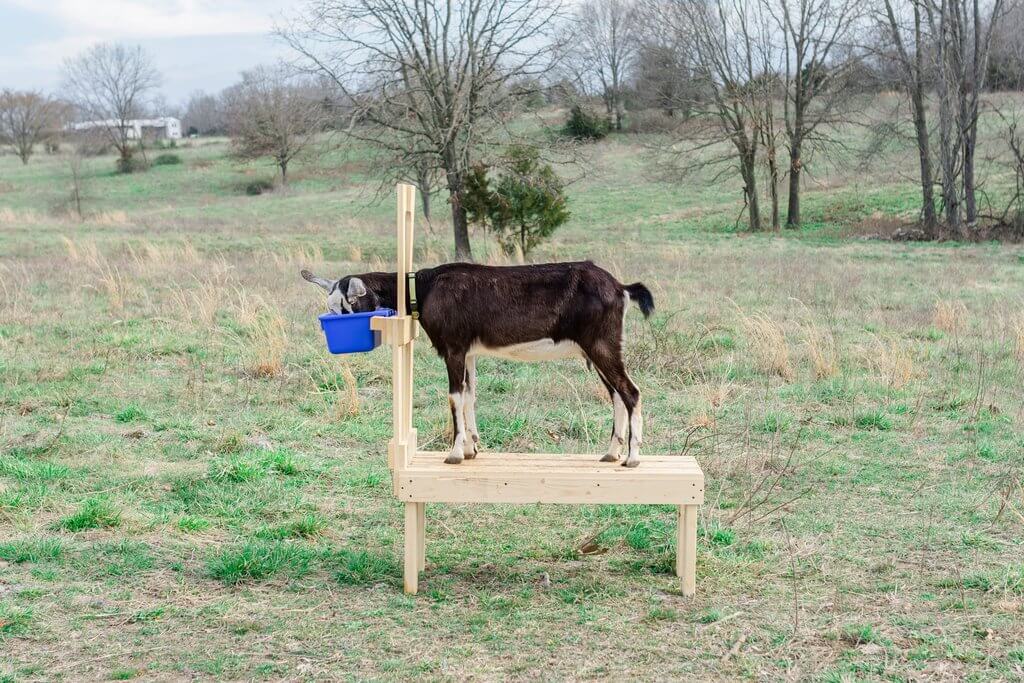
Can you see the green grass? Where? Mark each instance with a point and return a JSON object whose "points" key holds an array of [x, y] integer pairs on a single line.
{"points": [[95, 513], [259, 561], [13, 621], [32, 550], [169, 509]]}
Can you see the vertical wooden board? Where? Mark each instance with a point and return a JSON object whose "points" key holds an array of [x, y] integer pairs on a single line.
{"points": [[412, 544], [686, 549], [400, 266], [421, 530]]}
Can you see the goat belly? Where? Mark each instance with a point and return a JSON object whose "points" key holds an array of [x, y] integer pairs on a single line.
{"points": [[541, 349]]}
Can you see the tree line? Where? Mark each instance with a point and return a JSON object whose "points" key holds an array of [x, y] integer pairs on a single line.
{"points": [[765, 89]]}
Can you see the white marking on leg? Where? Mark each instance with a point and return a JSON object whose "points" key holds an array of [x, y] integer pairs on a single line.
{"points": [[458, 413], [636, 435], [473, 436]]}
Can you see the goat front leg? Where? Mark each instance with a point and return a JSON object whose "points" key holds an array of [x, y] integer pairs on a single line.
{"points": [[636, 433], [472, 444], [456, 363]]}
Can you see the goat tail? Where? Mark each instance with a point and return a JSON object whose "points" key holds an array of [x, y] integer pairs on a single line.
{"points": [[642, 296]]}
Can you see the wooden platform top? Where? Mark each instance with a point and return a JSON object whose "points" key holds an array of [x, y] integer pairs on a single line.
{"points": [[553, 478]]}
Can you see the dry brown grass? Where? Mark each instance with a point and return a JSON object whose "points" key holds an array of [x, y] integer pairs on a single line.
{"points": [[268, 344], [892, 360], [1018, 338], [109, 218], [81, 251], [340, 401], [767, 343], [949, 316], [821, 351], [715, 394], [199, 304], [9, 216]]}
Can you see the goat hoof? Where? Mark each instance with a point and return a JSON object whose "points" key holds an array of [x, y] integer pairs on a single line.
{"points": [[631, 462], [470, 453], [610, 458], [453, 459]]}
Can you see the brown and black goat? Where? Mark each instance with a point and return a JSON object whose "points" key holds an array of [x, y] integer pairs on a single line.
{"points": [[529, 313]]}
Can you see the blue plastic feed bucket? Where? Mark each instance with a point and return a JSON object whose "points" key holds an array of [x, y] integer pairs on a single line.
{"points": [[350, 332]]}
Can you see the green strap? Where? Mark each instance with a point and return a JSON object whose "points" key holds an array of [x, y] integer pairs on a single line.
{"points": [[410, 295]]}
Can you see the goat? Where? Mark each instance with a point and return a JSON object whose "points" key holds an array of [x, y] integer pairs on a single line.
{"points": [[530, 313]]}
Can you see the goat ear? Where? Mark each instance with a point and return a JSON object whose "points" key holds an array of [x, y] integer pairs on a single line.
{"points": [[309, 277], [356, 288]]}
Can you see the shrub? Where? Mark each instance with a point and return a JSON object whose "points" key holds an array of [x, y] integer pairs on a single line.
{"points": [[130, 413], [526, 203], [131, 165], [652, 121], [167, 160], [584, 124], [258, 187]]}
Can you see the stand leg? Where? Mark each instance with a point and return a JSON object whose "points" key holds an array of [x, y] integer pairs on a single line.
{"points": [[412, 546], [421, 533], [686, 549]]}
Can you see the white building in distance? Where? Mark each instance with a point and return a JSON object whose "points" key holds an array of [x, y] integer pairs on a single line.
{"points": [[164, 128]]}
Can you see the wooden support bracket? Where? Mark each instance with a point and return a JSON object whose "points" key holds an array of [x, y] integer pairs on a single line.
{"points": [[395, 331]]}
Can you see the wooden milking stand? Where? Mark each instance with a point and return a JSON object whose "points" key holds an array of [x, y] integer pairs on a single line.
{"points": [[421, 477]]}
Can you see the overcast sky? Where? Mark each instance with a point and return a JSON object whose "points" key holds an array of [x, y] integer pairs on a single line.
{"points": [[197, 44]]}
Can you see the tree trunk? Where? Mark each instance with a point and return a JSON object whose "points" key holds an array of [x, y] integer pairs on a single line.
{"points": [[749, 172], [425, 198], [928, 217], [126, 159], [460, 221], [970, 200], [795, 166], [284, 172], [773, 179], [423, 182], [463, 252]]}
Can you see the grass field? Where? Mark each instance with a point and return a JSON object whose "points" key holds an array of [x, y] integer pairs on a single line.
{"points": [[191, 487]]}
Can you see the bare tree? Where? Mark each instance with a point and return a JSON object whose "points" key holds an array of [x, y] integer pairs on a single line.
{"points": [[27, 119], [430, 78], [109, 84], [205, 113], [77, 181], [962, 33], [731, 54], [812, 32], [1006, 57], [271, 115], [604, 46], [907, 32], [662, 66]]}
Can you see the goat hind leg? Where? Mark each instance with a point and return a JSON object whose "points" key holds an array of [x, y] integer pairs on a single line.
{"points": [[472, 443], [456, 364], [613, 372], [618, 424], [619, 419], [636, 427]]}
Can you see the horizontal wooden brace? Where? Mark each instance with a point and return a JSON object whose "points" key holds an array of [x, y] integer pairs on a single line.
{"points": [[396, 330]]}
